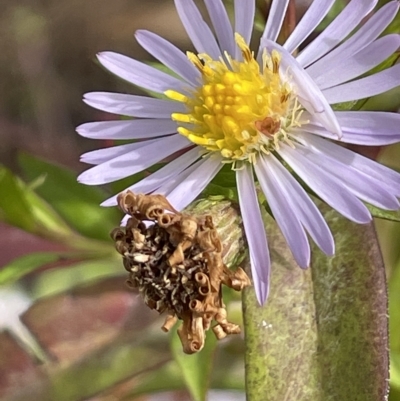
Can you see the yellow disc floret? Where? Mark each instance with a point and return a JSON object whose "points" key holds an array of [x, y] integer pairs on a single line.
{"points": [[239, 108]]}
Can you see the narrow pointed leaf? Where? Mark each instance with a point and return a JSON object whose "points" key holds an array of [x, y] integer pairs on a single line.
{"points": [[14, 208], [20, 206], [28, 263], [392, 215], [76, 203], [167, 378], [195, 369], [54, 281]]}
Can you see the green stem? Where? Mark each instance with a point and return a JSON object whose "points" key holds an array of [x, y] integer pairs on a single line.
{"points": [[322, 334], [280, 334], [89, 247]]}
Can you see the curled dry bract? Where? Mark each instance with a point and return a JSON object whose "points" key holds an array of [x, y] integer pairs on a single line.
{"points": [[176, 263]]}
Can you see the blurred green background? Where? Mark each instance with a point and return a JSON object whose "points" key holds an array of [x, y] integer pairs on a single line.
{"points": [[83, 335]]}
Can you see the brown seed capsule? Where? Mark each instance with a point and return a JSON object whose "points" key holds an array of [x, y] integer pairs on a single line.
{"points": [[196, 306], [176, 264]]}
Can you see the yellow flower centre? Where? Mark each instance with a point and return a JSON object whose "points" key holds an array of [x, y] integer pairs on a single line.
{"points": [[240, 108]]}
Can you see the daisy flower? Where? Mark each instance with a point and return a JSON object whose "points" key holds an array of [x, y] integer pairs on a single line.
{"points": [[260, 112]]}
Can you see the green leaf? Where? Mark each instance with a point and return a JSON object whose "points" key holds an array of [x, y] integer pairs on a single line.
{"points": [[21, 207], [394, 394], [392, 215], [26, 264], [167, 378], [50, 223], [395, 370], [387, 101], [226, 177], [195, 369], [223, 184], [55, 281], [121, 185], [389, 62], [345, 106], [14, 208], [323, 333], [394, 313], [227, 375], [78, 204], [216, 190]]}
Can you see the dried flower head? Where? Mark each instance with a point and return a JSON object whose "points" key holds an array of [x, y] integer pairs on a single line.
{"points": [[176, 263]]}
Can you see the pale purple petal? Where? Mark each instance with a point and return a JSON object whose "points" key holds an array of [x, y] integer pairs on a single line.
{"points": [[195, 183], [357, 138], [284, 215], [363, 186], [361, 127], [275, 19], [124, 220], [380, 173], [366, 127], [325, 185], [140, 74], [301, 204], [105, 154], [316, 129], [222, 25], [131, 129], [360, 63], [244, 20], [199, 32], [132, 105], [169, 185], [158, 178], [255, 232], [311, 97], [169, 55], [363, 37], [364, 87], [313, 16], [337, 30], [135, 161]]}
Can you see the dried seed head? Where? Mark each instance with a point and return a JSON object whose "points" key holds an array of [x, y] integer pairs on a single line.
{"points": [[176, 264]]}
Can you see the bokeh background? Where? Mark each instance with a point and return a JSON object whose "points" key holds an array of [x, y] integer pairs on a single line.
{"points": [[47, 62]]}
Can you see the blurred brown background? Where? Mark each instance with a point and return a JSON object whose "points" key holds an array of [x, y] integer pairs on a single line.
{"points": [[47, 62]]}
